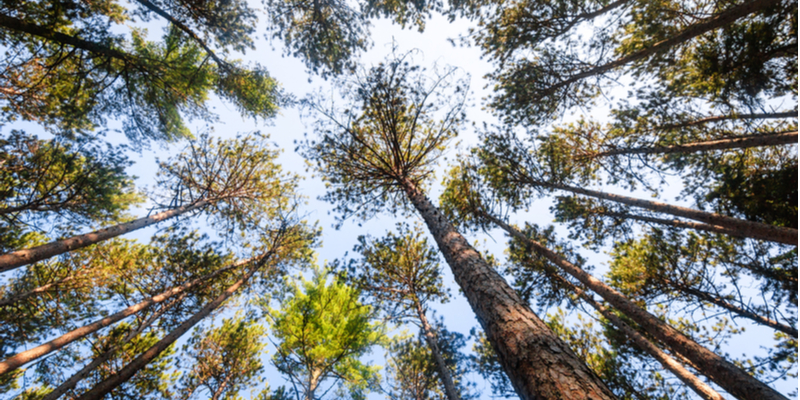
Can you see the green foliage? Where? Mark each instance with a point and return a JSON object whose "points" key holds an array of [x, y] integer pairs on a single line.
{"points": [[322, 331]]}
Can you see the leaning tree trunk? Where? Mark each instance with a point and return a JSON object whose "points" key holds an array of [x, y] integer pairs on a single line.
{"points": [[677, 369], [724, 18], [538, 363], [734, 142], [725, 374], [27, 356], [122, 376], [751, 229], [38, 290], [721, 303], [20, 258], [677, 223], [102, 358], [430, 337], [717, 118]]}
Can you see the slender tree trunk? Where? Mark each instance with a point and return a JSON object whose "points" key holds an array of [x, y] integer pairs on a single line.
{"points": [[430, 337], [41, 289], [728, 376], [27, 356], [110, 383], [20, 258], [724, 18], [717, 118], [677, 223], [751, 229], [99, 360], [735, 142], [688, 378], [719, 302], [538, 363], [221, 389]]}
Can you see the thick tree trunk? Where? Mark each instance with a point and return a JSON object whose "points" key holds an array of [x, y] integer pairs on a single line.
{"points": [[724, 18], [27, 356], [20, 258], [688, 378], [106, 386], [735, 142], [719, 302], [728, 376], [430, 337], [102, 358], [755, 230], [538, 363]]}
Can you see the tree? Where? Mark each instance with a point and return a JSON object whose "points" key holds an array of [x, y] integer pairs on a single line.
{"points": [[71, 73], [378, 153], [230, 179], [322, 331], [224, 359], [401, 273]]}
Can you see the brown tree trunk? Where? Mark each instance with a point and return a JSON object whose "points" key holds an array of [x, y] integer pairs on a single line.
{"points": [[735, 142], [106, 386], [728, 376], [717, 118], [724, 18], [27, 356], [688, 378], [41, 289], [751, 229], [102, 358], [20, 258], [677, 223], [430, 337], [719, 302], [538, 363]]}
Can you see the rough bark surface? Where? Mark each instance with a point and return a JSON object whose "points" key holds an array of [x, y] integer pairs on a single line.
{"points": [[738, 142], [20, 258], [538, 363], [725, 374], [444, 372], [27, 356], [106, 386], [751, 229]]}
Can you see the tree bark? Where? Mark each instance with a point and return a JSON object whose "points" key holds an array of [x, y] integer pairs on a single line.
{"points": [[725, 374], [102, 358], [41, 289], [735, 142], [717, 118], [106, 386], [751, 229], [677, 369], [724, 18], [538, 363], [677, 223], [719, 302], [430, 337], [19, 258], [26, 356]]}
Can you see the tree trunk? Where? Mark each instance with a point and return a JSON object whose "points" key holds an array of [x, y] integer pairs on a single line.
{"points": [[688, 378], [102, 358], [20, 258], [717, 118], [728, 376], [719, 302], [430, 337], [538, 364], [677, 223], [41, 289], [751, 229], [26, 356], [735, 142], [106, 386], [724, 18]]}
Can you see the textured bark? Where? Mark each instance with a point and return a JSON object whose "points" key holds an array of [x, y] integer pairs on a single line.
{"points": [[688, 378], [735, 142], [538, 363], [102, 358], [724, 18], [16, 259], [725, 374], [751, 229], [27, 356], [719, 302], [430, 337], [106, 386]]}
